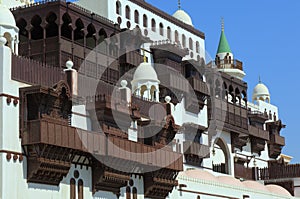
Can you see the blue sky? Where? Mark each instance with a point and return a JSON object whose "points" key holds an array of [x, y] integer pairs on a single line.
{"points": [[265, 36]]}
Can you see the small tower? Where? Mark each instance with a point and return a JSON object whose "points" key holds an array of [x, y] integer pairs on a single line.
{"points": [[8, 28], [225, 59], [261, 92], [145, 83]]}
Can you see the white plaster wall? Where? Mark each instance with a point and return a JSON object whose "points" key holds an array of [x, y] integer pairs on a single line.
{"points": [[80, 118], [199, 187], [155, 36]]}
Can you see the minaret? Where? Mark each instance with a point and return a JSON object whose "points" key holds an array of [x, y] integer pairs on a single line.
{"points": [[225, 59]]}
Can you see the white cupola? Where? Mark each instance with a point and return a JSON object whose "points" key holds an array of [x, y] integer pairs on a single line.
{"points": [[145, 83], [8, 28], [261, 92], [181, 15]]}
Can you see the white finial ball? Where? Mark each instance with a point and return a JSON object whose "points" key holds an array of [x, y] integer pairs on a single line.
{"points": [[168, 99], [123, 83], [69, 64], [2, 41]]}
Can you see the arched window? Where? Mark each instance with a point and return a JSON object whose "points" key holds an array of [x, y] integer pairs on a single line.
{"points": [[37, 31], [52, 27], [127, 10], [134, 193], [145, 21], [72, 189], [66, 28], [183, 41], [78, 32], [118, 7], [176, 36], [80, 189], [191, 44], [128, 193], [153, 25], [169, 33], [197, 47], [90, 37], [23, 33], [161, 29], [136, 17]]}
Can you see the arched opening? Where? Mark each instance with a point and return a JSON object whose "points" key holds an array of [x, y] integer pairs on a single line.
{"points": [[161, 29], [145, 21], [169, 33], [91, 36], [230, 94], [79, 32], [23, 33], [136, 17], [8, 39], [142, 91], [224, 91], [237, 96], [118, 8], [36, 30], [153, 93], [127, 12], [176, 36], [128, 193], [191, 44], [217, 89], [134, 193], [183, 41], [72, 189], [153, 25], [80, 189], [197, 47], [66, 28], [101, 40], [52, 27], [220, 159], [267, 100], [113, 48]]}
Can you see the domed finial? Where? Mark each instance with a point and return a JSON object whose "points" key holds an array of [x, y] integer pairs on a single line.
{"points": [[179, 5], [168, 99], [222, 23], [123, 83], [69, 64]]}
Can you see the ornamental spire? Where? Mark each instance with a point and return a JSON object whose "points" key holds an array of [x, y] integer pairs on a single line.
{"points": [[179, 5], [222, 24]]}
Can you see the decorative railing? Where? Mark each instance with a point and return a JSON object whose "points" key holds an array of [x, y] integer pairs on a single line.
{"points": [[242, 172], [198, 85], [228, 63], [279, 172], [59, 135], [257, 132], [36, 73]]}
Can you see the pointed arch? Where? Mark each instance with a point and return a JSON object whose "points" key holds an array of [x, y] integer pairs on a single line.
{"points": [[79, 31], [80, 189], [145, 21], [66, 28], [52, 27], [191, 44], [197, 47], [183, 41], [223, 164], [23, 33], [91, 36], [72, 188], [176, 37], [118, 8], [37, 31]]}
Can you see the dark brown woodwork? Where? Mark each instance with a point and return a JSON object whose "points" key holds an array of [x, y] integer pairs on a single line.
{"points": [[160, 183], [242, 172], [276, 141]]}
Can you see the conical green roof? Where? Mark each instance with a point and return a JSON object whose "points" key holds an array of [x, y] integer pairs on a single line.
{"points": [[223, 44]]}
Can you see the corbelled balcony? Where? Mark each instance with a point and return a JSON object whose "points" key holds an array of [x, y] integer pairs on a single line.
{"points": [[228, 63]]}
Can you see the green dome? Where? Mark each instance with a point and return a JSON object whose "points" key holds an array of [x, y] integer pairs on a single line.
{"points": [[223, 44]]}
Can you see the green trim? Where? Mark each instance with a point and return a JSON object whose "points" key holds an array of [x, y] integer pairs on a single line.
{"points": [[223, 44]]}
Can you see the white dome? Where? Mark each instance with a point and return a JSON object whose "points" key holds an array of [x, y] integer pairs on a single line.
{"points": [[6, 17], [260, 90], [183, 16], [145, 72]]}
